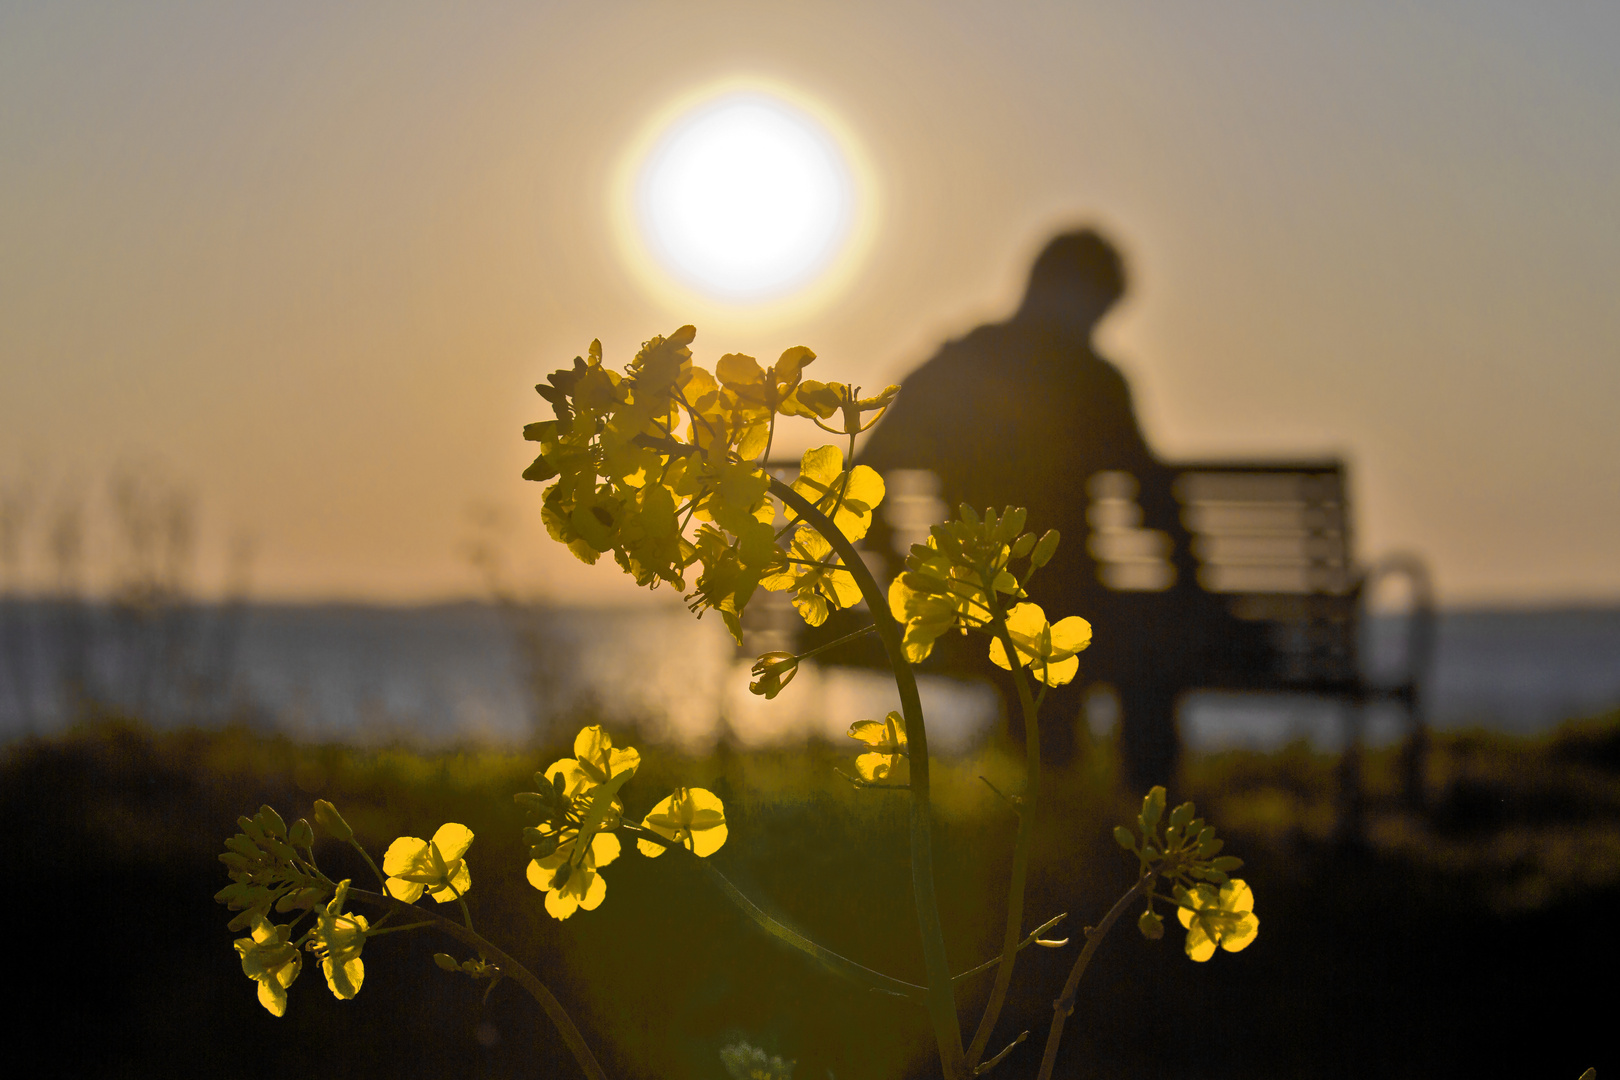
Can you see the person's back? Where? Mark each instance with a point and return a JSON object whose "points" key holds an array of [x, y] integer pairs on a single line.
{"points": [[1024, 413]]}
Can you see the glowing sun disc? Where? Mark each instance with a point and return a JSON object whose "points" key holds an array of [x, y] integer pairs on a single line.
{"points": [[745, 198]]}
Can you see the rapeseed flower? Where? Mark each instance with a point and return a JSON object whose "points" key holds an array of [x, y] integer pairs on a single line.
{"points": [[692, 817], [270, 959], [568, 876], [1212, 916], [887, 739], [337, 939], [439, 866]]}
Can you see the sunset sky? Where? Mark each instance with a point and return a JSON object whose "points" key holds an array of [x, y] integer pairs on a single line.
{"points": [[307, 261]]}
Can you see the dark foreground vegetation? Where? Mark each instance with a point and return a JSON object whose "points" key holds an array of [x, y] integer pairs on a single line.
{"points": [[1472, 938]]}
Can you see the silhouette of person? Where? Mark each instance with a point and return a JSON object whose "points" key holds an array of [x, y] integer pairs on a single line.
{"points": [[1025, 413]]}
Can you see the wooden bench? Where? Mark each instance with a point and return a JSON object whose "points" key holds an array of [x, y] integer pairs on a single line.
{"points": [[1261, 581]]}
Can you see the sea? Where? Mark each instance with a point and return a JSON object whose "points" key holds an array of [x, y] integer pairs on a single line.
{"points": [[481, 673]]}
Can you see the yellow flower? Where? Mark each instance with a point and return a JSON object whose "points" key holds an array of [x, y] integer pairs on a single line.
{"points": [[887, 738], [568, 876], [1224, 917], [271, 960], [337, 940], [693, 817], [595, 761], [1049, 649], [440, 867]]}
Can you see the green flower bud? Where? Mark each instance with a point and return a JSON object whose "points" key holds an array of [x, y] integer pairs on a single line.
{"points": [[1045, 549], [1023, 545], [446, 961], [1151, 925], [271, 822], [301, 835], [327, 816], [560, 878], [1153, 807], [1181, 815], [1124, 838]]}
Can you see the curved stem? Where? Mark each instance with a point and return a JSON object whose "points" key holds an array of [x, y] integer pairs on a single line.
{"points": [[1063, 1006], [940, 1000], [1026, 832], [843, 965], [510, 967]]}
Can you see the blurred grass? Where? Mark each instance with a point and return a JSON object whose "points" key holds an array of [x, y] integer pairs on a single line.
{"points": [[1420, 950]]}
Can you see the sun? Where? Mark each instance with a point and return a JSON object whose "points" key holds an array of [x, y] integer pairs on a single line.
{"points": [[745, 197]]}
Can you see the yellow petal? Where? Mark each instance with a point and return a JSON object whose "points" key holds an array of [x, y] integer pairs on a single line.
{"points": [[649, 849], [400, 889], [1026, 620], [539, 876], [595, 892], [998, 655], [604, 848], [1071, 635], [1059, 672], [707, 841], [402, 855], [865, 486], [1199, 946], [1242, 933], [560, 903], [452, 840], [592, 743], [273, 996], [1237, 896]]}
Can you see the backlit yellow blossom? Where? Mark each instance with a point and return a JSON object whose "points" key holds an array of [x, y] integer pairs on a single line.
{"points": [[693, 817], [438, 866], [337, 940], [270, 959], [887, 738], [595, 761], [1048, 649], [568, 876], [1223, 917]]}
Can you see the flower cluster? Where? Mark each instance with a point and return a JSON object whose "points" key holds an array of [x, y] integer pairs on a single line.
{"points": [[661, 464], [272, 868], [1215, 909], [578, 806], [962, 579]]}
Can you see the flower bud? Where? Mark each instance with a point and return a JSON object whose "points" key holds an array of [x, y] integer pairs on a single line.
{"points": [[446, 961], [1153, 807], [1124, 838], [1045, 548], [329, 819], [1151, 925], [301, 835], [271, 822]]}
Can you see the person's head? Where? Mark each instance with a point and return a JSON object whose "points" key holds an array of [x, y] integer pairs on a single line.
{"points": [[1075, 280]]}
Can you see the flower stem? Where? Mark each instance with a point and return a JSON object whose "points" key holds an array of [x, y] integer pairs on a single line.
{"points": [[510, 967], [1064, 1005], [941, 1001], [843, 965], [1026, 832]]}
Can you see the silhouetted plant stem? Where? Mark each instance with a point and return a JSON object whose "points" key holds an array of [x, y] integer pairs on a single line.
{"points": [[509, 968], [1026, 829], [940, 1000], [843, 965], [1064, 1005]]}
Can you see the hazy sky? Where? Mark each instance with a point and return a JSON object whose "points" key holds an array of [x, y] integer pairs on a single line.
{"points": [[308, 260]]}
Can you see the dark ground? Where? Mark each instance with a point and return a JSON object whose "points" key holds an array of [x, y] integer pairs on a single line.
{"points": [[1468, 940]]}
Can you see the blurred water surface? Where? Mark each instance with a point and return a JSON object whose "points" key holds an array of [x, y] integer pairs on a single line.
{"points": [[480, 673]]}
